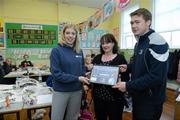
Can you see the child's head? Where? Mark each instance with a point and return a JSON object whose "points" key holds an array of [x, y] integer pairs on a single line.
{"points": [[88, 59], [8, 61], [25, 56]]}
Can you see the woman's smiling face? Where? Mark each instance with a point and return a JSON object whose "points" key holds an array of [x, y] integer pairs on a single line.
{"points": [[70, 36]]}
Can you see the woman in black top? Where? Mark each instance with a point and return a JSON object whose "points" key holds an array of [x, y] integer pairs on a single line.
{"points": [[109, 102]]}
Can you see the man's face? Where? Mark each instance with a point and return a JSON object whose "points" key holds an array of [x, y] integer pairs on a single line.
{"points": [[138, 25]]}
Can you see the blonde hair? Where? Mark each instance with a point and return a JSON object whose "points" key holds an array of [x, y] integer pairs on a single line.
{"points": [[76, 46]]}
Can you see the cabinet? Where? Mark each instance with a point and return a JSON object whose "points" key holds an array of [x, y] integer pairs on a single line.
{"points": [[177, 111], [171, 97]]}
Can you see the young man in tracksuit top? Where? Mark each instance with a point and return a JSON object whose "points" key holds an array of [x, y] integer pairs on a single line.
{"points": [[148, 69]]}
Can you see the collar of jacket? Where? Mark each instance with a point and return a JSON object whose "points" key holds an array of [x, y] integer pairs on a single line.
{"points": [[143, 37], [64, 45]]}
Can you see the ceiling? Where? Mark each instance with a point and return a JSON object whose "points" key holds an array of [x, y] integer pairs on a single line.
{"points": [[85, 3]]}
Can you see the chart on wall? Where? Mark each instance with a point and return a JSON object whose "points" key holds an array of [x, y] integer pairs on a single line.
{"points": [[91, 39], [31, 35]]}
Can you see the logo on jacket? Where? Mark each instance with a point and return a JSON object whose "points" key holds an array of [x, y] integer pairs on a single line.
{"points": [[140, 51], [78, 56]]}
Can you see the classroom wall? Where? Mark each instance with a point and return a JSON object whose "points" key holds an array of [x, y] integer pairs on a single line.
{"points": [[78, 15], [30, 11], [52, 12]]}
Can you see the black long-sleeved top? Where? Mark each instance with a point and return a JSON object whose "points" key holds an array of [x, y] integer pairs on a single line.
{"points": [[1, 73], [106, 92], [8, 68], [26, 63]]}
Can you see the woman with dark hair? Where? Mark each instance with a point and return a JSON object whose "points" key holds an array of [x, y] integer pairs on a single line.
{"points": [[109, 102]]}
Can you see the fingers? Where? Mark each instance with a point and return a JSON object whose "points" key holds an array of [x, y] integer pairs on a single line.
{"points": [[120, 86], [123, 68], [88, 73], [84, 80], [85, 87]]}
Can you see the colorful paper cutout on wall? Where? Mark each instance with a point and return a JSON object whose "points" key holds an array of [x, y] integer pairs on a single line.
{"points": [[102, 14], [108, 9], [91, 39], [1, 25], [2, 40], [122, 4]]}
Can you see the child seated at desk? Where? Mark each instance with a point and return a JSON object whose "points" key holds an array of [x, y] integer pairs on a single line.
{"points": [[26, 62], [8, 67], [1, 69]]}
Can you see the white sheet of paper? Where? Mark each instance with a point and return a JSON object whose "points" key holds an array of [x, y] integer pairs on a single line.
{"points": [[43, 99]]}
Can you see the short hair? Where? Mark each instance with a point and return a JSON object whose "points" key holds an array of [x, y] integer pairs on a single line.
{"points": [[109, 38], [1, 58], [76, 46], [25, 55], [146, 14]]}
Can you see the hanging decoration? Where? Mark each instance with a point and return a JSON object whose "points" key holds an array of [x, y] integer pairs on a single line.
{"points": [[102, 14], [122, 4], [89, 36]]}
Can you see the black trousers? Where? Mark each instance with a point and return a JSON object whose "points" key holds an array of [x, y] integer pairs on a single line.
{"points": [[106, 109], [147, 111]]}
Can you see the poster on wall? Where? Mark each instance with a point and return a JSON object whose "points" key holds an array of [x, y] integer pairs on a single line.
{"points": [[34, 53], [2, 43], [91, 40], [21, 35]]}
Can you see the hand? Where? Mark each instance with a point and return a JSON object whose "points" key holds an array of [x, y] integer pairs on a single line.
{"points": [[90, 66], [88, 74], [86, 88], [84, 80], [120, 86], [123, 67]]}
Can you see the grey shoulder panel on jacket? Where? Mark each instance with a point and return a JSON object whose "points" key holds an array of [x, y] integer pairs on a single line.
{"points": [[160, 50], [156, 39]]}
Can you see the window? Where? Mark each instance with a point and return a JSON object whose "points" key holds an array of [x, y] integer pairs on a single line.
{"points": [[127, 38], [166, 17]]}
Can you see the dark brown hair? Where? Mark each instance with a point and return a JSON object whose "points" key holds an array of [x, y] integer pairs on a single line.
{"points": [[109, 38]]}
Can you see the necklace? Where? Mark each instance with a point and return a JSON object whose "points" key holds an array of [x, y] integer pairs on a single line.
{"points": [[106, 58]]}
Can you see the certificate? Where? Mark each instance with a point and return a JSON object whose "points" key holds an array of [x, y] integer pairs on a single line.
{"points": [[107, 75]]}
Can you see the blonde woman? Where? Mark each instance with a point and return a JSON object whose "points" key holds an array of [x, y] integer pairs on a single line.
{"points": [[67, 68]]}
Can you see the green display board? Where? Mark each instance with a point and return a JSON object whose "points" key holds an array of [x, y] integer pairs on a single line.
{"points": [[31, 35]]}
